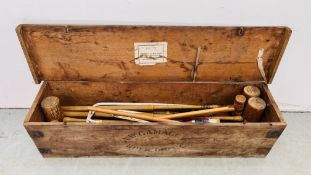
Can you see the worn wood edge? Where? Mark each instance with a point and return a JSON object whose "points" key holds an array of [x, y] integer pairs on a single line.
{"points": [[274, 105], [76, 25], [38, 97], [35, 75], [253, 124], [262, 156], [275, 65], [163, 82]]}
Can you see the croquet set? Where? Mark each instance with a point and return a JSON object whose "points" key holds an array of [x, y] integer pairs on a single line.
{"points": [[177, 91]]}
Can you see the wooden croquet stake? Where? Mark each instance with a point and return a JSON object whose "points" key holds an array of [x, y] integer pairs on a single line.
{"points": [[239, 103], [51, 109], [251, 91], [254, 109]]}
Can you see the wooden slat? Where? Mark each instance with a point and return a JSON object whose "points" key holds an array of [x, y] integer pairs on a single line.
{"points": [[155, 140], [106, 53], [88, 93]]}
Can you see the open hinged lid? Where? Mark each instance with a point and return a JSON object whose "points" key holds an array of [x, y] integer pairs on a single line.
{"points": [[152, 53]]}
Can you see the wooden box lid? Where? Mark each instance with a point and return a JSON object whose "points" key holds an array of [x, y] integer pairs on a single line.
{"points": [[106, 53]]}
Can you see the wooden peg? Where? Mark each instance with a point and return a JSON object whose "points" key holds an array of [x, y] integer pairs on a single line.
{"points": [[251, 91], [239, 103], [254, 109], [51, 109]]}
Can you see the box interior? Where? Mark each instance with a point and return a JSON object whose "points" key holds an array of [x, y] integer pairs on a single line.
{"points": [[89, 93]]}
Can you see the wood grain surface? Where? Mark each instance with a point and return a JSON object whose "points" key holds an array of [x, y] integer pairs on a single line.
{"points": [[231, 140], [106, 53]]}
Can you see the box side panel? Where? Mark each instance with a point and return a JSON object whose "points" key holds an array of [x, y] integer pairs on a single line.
{"points": [[272, 112], [35, 114], [231, 140], [86, 93]]}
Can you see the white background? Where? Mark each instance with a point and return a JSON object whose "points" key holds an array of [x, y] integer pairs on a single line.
{"points": [[291, 86]]}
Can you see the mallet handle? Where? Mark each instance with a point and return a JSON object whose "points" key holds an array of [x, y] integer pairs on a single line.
{"points": [[101, 114], [134, 115], [78, 120], [198, 113], [229, 118], [142, 107]]}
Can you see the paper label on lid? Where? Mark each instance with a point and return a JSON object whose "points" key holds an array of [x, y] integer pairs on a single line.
{"points": [[150, 53]]}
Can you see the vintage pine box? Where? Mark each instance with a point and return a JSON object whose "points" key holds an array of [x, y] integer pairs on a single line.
{"points": [[83, 65]]}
